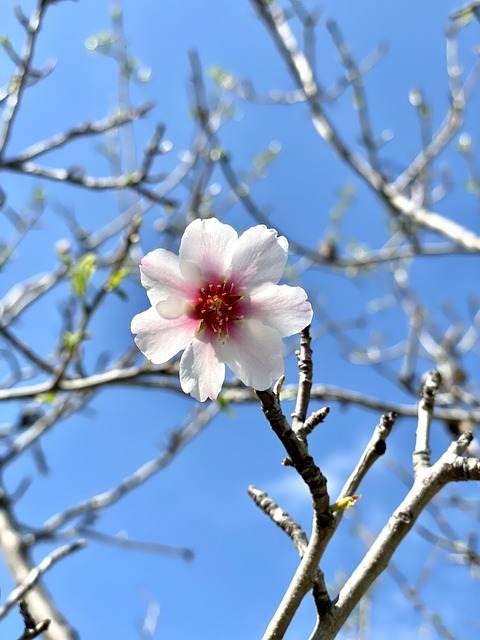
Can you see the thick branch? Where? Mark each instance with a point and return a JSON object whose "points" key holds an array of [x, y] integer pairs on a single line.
{"points": [[450, 467], [18, 559]]}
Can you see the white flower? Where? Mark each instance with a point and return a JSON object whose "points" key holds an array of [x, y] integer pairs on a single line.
{"points": [[219, 300]]}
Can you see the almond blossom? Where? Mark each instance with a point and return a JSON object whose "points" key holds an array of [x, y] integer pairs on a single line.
{"points": [[219, 301]]}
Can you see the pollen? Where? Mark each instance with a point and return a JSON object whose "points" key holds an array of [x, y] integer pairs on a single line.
{"points": [[218, 307]]}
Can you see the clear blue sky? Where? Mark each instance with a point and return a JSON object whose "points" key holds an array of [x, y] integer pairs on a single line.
{"points": [[242, 562]]}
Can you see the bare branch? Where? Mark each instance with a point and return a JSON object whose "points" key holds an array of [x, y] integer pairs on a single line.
{"points": [[178, 440], [305, 366], [26, 575], [375, 448], [299, 539], [20, 78], [37, 572], [421, 455]]}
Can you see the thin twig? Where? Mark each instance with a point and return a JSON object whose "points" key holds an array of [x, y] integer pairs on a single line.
{"points": [[36, 573], [299, 538], [421, 454], [305, 370]]}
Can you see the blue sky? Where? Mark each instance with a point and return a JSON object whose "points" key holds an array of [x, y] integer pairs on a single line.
{"points": [[242, 562]]}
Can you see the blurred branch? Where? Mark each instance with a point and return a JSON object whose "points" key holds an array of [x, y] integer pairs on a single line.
{"points": [[154, 378], [20, 78], [26, 575], [182, 436], [32, 628], [34, 575], [83, 130], [122, 541], [459, 96]]}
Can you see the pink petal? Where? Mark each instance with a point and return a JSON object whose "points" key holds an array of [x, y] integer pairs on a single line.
{"points": [[201, 374], [282, 307], [208, 244], [159, 339], [260, 257], [161, 276], [254, 353]]}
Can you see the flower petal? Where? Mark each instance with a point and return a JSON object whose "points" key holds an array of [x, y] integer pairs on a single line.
{"points": [[254, 353], [201, 374], [208, 244], [172, 307], [282, 307], [161, 276], [159, 339], [260, 257]]}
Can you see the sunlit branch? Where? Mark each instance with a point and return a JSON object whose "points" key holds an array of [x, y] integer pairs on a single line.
{"points": [[451, 467], [421, 454], [277, 24], [305, 367], [301, 460], [375, 448], [299, 538]]}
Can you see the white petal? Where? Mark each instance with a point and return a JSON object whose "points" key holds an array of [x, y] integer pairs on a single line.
{"points": [[172, 307], [161, 276], [282, 307], [201, 374], [254, 353], [208, 244], [260, 257], [159, 339]]}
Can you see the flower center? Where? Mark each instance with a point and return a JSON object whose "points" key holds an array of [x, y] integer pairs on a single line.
{"points": [[218, 307]]}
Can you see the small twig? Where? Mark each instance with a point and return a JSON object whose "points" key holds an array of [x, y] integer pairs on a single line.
{"points": [[375, 448], [36, 573], [121, 540], [281, 518], [451, 467], [61, 409], [88, 128], [178, 440], [305, 368], [355, 79], [313, 421], [421, 454], [32, 629], [299, 538], [20, 78]]}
